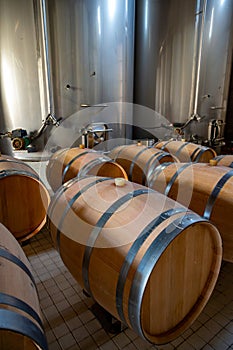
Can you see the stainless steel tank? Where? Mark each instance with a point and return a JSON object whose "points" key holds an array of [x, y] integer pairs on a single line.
{"points": [[23, 90], [164, 56], [59, 57], [92, 52], [183, 59], [216, 45]]}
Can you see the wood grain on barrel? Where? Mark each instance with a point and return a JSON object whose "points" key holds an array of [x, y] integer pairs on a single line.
{"points": [[21, 324], [141, 256], [23, 199], [205, 189], [187, 151], [66, 164], [138, 160], [225, 160]]}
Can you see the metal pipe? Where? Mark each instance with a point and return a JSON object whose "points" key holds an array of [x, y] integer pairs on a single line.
{"points": [[198, 44], [47, 57]]}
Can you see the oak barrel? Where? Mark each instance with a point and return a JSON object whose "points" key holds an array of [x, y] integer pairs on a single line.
{"points": [[139, 160], [141, 256], [225, 160], [187, 151], [21, 324], [66, 164], [205, 189], [23, 198]]}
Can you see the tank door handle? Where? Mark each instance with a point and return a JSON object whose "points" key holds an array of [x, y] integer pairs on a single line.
{"points": [[217, 107], [84, 105]]}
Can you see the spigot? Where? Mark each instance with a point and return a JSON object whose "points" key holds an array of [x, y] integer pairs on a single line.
{"points": [[51, 118]]}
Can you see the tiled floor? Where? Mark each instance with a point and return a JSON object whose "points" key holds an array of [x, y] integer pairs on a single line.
{"points": [[70, 323]]}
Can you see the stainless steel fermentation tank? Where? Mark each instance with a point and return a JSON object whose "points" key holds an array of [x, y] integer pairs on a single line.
{"points": [[92, 45], [58, 56], [183, 60], [92, 55], [23, 98]]}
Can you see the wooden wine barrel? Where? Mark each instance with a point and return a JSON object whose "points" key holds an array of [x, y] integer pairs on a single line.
{"points": [[205, 189], [23, 199], [21, 324], [143, 257], [66, 164], [187, 151], [139, 161], [225, 160]]}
